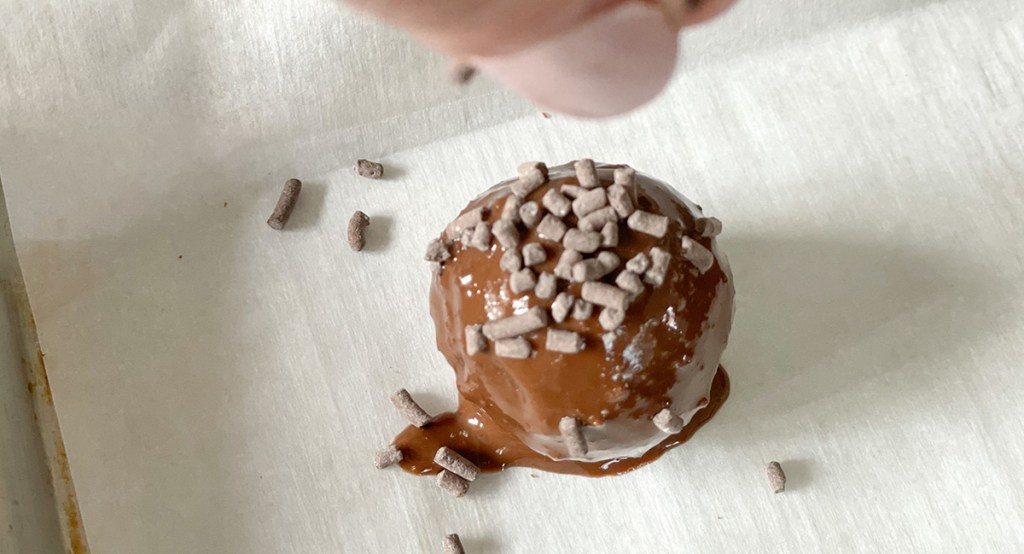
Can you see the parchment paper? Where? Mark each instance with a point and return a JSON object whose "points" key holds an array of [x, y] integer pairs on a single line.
{"points": [[222, 387]]}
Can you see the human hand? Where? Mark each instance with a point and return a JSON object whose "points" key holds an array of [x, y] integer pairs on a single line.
{"points": [[588, 58]]}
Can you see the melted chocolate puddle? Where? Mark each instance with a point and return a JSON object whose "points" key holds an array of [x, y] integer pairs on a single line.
{"points": [[471, 433]]}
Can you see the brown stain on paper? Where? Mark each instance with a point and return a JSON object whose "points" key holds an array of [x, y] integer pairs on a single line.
{"points": [[69, 507], [39, 387]]}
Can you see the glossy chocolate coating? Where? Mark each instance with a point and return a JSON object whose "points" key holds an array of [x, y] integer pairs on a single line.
{"points": [[665, 355]]}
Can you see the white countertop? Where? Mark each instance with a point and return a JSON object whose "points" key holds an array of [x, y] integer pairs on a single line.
{"points": [[222, 387]]}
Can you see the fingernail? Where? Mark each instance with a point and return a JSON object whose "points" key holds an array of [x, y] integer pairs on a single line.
{"points": [[608, 66]]}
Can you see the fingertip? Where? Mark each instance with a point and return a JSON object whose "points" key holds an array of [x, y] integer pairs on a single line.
{"points": [[609, 66]]}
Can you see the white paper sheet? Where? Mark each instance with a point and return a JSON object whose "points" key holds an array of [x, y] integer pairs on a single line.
{"points": [[30, 512], [222, 386]]}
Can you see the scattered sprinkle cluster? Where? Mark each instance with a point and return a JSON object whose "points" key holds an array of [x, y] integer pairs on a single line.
{"points": [[456, 471], [357, 224]]}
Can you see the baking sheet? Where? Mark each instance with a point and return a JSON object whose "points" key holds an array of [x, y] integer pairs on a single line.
{"points": [[222, 387]]}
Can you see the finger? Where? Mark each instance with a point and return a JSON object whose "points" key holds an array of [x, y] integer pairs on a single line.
{"points": [[614, 63], [463, 28]]}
